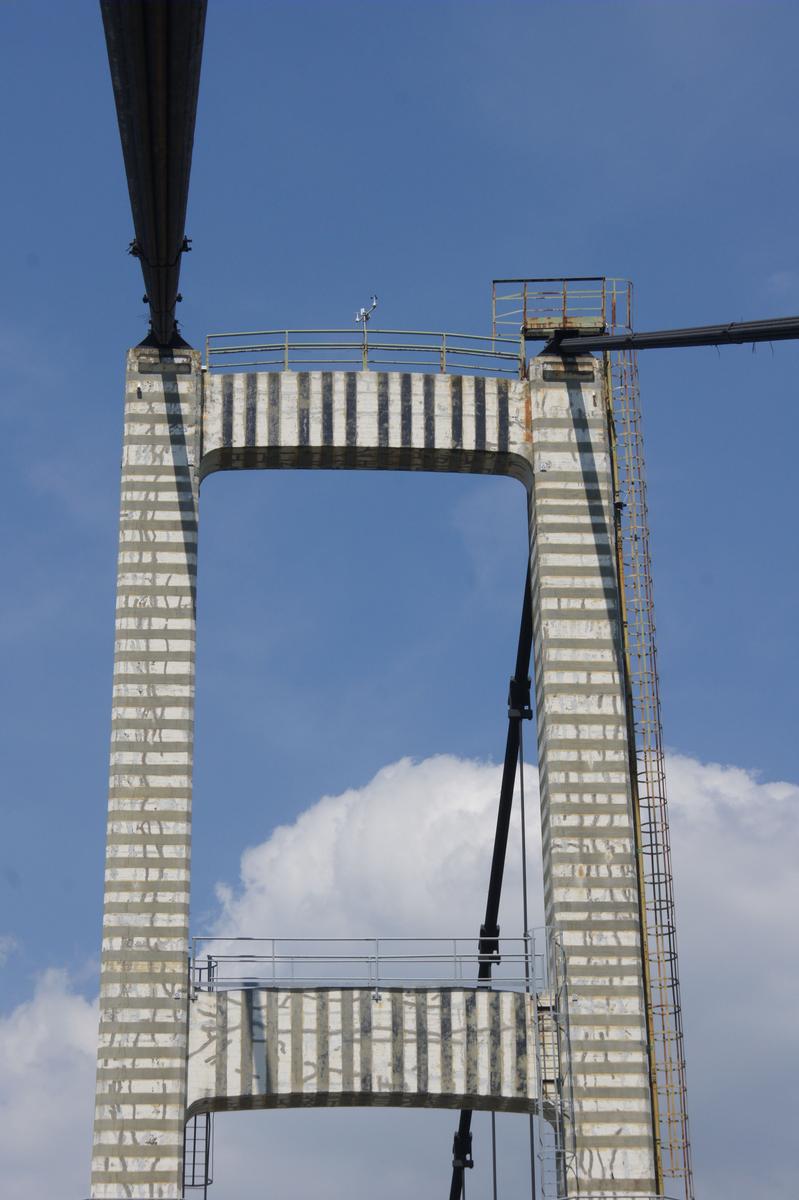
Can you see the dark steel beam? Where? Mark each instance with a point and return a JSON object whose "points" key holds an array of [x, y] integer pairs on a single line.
{"points": [[776, 329], [488, 946], [155, 51]]}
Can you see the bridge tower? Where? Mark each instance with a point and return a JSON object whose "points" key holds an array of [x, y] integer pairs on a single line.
{"points": [[176, 1043], [580, 1028]]}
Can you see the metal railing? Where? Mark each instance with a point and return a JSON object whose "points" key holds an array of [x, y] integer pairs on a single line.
{"points": [[365, 350], [554, 1138], [539, 307], [534, 964], [522, 964]]}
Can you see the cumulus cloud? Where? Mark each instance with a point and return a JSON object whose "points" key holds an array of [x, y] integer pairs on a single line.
{"points": [[47, 1061], [735, 841], [408, 854]]}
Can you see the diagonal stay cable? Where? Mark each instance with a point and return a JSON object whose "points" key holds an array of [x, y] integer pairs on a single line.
{"points": [[488, 945]]}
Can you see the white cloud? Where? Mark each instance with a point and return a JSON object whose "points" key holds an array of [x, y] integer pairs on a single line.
{"points": [[735, 845], [408, 853], [47, 1061]]}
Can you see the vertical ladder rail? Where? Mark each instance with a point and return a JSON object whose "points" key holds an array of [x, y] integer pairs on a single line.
{"points": [[198, 1153], [563, 1128], [551, 1044], [663, 985], [541, 1126]]}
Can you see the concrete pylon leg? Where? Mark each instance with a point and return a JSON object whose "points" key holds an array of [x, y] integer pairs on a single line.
{"points": [[590, 881], [141, 1076]]}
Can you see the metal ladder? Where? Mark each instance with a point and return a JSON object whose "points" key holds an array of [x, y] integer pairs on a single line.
{"points": [[198, 1153]]}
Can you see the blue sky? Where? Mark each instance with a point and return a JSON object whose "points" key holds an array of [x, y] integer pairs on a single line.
{"points": [[346, 622]]}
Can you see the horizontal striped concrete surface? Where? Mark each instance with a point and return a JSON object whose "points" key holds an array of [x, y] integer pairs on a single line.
{"points": [[551, 434], [141, 1076], [433, 1048], [590, 881]]}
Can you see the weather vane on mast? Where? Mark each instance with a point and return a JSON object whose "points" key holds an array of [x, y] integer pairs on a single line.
{"points": [[363, 315]]}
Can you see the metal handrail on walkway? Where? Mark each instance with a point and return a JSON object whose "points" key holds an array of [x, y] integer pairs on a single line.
{"points": [[220, 964], [364, 350]]}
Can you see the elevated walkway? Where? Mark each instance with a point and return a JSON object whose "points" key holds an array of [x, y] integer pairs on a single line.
{"points": [[329, 1024]]}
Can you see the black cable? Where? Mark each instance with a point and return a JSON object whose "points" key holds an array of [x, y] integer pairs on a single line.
{"points": [[526, 919], [488, 945], [733, 333]]}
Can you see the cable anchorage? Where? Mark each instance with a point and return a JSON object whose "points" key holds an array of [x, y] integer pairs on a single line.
{"points": [[462, 1150], [519, 700]]}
